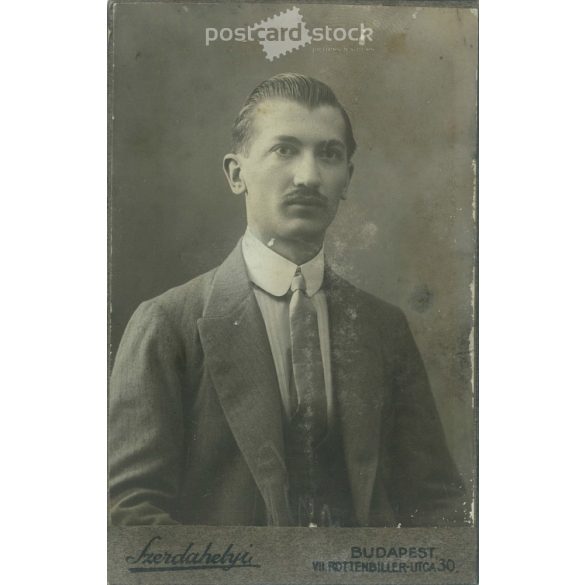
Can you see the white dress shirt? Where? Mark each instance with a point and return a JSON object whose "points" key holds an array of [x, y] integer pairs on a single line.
{"points": [[272, 276]]}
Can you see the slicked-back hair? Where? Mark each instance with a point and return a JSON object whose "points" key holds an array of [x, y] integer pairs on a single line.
{"points": [[302, 89]]}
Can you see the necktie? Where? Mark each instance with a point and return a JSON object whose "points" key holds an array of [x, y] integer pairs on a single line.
{"points": [[308, 424], [307, 363]]}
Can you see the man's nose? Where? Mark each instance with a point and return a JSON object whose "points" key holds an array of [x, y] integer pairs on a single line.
{"points": [[307, 171]]}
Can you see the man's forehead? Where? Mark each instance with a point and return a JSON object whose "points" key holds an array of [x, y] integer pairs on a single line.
{"points": [[275, 116]]}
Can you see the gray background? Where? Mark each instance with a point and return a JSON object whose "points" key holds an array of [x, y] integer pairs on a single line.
{"points": [[407, 232]]}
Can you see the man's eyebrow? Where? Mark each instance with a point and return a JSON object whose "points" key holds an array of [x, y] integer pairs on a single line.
{"points": [[284, 138], [335, 142], [295, 140]]}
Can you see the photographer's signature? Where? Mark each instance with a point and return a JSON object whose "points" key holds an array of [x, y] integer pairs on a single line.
{"points": [[154, 558]]}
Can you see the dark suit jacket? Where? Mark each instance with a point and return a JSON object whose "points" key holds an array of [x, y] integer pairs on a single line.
{"points": [[196, 423]]}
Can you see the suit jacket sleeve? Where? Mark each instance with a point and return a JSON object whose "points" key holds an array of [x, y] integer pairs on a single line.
{"points": [[420, 474], [146, 434]]}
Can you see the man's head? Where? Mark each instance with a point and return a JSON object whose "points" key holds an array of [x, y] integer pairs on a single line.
{"points": [[292, 148]]}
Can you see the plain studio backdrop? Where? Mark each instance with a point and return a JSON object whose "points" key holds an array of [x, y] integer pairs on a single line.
{"points": [[407, 231]]}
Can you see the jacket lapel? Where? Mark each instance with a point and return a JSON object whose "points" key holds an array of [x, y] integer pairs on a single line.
{"points": [[241, 366], [358, 380]]}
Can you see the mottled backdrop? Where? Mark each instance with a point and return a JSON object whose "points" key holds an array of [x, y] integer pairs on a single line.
{"points": [[407, 232]]}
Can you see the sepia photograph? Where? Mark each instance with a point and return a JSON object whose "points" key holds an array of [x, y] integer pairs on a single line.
{"points": [[292, 291], [244, 254]]}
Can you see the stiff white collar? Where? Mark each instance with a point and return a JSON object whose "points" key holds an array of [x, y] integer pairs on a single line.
{"points": [[274, 273]]}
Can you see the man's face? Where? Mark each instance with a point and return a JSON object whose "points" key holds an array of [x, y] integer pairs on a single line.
{"points": [[296, 170]]}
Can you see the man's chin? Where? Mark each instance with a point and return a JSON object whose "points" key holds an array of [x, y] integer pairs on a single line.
{"points": [[304, 230]]}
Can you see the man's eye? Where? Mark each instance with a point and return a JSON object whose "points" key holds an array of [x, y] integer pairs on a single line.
{"points": [[332, 154], [284, 150]]}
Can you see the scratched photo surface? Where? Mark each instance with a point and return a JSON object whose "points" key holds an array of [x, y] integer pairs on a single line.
{"points": [[406, 232]]}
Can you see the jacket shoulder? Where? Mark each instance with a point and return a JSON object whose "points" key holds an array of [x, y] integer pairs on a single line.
{"points": [[347, 293], [182, 305]]}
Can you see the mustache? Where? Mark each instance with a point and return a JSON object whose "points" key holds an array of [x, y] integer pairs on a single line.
{"points": [[305, 195]]}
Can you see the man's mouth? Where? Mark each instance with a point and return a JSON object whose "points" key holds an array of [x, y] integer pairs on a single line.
{"points": [[306, 199]]}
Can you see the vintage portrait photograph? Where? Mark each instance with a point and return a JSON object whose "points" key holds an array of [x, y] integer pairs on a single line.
{"points": [[292, 292]]}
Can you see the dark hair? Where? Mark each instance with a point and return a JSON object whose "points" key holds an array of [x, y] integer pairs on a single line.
{"points": [[293, 86]]}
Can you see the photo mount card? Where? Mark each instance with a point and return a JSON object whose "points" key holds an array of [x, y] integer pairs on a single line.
{"points": [[262, 431]]}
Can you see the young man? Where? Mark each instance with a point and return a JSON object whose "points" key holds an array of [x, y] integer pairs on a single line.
{"points": [[270, 391]]}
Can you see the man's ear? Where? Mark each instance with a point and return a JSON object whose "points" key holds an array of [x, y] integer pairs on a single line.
{"points": [[349, 176], [232, 168]]}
